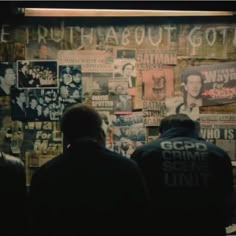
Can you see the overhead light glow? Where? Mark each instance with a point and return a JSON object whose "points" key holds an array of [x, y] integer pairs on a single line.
{"points": [[57, 12]]}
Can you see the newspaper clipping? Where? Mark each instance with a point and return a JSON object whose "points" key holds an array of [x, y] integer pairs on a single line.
{"points": [[129, 132], [220, 83], [221, 130]]}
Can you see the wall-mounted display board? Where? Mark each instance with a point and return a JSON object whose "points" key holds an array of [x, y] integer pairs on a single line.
{"points": [[134, 74]]}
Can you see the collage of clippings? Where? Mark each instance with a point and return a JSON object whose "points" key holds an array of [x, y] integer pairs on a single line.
{"points": [[134, 76]]}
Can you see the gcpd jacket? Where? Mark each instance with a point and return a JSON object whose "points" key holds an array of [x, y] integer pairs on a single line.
{"points": [[190, 182]]}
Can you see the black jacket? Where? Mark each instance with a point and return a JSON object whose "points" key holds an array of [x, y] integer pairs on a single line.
{"points": [[88, 189], [12, 196], [190, 182]]}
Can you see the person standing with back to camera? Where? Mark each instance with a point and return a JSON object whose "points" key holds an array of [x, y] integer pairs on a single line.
{"points": [[12, 196], [87, 190], [190, 181]]}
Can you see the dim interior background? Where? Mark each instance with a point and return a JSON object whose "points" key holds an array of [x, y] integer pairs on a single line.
{"points": [[129, 68]]}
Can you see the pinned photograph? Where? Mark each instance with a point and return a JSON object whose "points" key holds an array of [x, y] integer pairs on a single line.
{"points": [[37, 74]]}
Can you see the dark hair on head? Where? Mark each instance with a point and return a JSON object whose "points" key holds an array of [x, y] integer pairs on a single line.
{"points": [[127, 64], [32, 97], [80, 121], [177, 121], [77, 71], [3, 68], [187, 73], [17, 92]]}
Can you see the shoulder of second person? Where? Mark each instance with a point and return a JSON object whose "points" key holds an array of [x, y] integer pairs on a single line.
{"points": [[7, 158]]}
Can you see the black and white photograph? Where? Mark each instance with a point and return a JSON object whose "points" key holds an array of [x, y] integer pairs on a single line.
{"points": [[70, 85], [122, 104], [117, 87], [35, 105], [125, 69], [7, 78], [37, 74]]}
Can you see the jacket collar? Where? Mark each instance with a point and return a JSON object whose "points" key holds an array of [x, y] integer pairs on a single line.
{"points": [[180, 132]]}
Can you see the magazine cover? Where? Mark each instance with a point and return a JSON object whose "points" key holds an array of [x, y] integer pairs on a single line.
{"points": [[216, 83]]}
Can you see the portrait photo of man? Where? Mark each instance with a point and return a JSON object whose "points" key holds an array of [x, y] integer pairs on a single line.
{"points": [[128, 73], [192, 82], [7, 79]]}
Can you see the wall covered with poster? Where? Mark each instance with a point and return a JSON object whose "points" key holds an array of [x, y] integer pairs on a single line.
{"points": [[134, 74]]}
